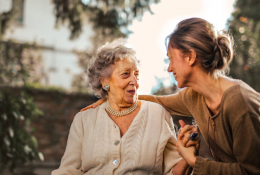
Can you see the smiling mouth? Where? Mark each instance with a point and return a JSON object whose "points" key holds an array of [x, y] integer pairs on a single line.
{"points": [[175, 76]]}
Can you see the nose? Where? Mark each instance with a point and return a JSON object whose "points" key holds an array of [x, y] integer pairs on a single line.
{"points": [[169, 68], [134, 80]]}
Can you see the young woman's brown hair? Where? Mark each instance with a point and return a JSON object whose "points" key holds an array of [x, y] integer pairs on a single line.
{"points": [[214, 49]]}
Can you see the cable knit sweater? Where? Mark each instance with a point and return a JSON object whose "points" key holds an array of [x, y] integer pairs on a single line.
{"points": [[237, 128], [94, 145]]}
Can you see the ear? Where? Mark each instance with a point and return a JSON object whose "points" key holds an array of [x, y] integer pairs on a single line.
{"points": [[192, 57], [102, 80]]}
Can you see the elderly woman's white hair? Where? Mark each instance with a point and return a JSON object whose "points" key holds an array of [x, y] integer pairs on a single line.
{"points": [[101, 64]]}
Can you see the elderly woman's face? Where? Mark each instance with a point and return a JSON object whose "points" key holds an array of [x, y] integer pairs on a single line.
{"points": [[123, 82]]}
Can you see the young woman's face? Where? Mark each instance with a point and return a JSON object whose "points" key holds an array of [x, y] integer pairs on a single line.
{"points": [[179, 66], [123, 82]]}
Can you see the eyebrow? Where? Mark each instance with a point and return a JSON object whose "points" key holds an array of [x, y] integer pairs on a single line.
{"points": [[128, 69], [125, 69]]}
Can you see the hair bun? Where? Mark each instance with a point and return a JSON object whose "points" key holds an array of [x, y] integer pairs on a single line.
{"points": [[223, 52]]}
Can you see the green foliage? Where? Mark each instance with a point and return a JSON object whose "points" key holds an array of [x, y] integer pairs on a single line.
{"points": [[20, 64], [17, 144], [248, 9], [107, 16], [245, 28]]}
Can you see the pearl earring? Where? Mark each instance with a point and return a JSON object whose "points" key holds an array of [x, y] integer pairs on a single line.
{"points": [[106, 87]]}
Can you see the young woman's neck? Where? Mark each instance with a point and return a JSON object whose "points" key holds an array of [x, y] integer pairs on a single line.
{"points": [[208, 86], [211, 88]]}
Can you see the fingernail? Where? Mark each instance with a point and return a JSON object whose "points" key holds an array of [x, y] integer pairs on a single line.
{"points": [[94, 106]]}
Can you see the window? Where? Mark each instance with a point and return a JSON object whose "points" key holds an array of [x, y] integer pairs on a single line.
{"points": [[19, 6]]}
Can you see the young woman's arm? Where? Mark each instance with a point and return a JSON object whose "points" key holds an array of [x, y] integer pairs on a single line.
{"points": [[175, 104]]}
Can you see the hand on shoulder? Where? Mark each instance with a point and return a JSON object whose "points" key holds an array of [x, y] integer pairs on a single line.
{"points": [[94, 105]]}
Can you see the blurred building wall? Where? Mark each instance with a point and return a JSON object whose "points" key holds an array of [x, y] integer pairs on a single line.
{"points": [[36, 23]]}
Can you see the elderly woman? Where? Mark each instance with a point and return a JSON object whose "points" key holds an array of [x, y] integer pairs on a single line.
{"points": [[123, 135], [226, 110]]}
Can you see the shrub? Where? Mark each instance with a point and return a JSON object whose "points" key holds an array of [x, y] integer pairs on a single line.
{"points": [[17, 144]]}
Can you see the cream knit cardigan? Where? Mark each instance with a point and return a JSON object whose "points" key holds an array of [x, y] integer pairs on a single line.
{"points": [[95, 147]]}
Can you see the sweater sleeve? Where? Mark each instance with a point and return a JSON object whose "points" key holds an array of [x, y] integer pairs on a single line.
{"points": [[175, 104], [246, 144], [71, 160], [170, 154], [205, 166]]}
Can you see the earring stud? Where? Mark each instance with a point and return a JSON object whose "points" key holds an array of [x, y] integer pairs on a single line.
{"points": [[106, 87]]}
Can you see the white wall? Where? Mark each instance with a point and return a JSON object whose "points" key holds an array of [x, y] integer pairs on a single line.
{"points": [[39, 26]]}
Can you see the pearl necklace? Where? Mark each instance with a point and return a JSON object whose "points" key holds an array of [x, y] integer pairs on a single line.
{"points": [[120, 113]]}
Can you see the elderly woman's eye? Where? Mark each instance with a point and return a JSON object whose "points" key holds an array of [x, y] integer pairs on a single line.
{"points": [[125, 74], [137, 75]]}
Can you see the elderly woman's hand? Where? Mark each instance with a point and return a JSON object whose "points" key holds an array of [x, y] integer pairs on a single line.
{"points": [[94, 105], [188, 154], [187, 148], [184, 134]]}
